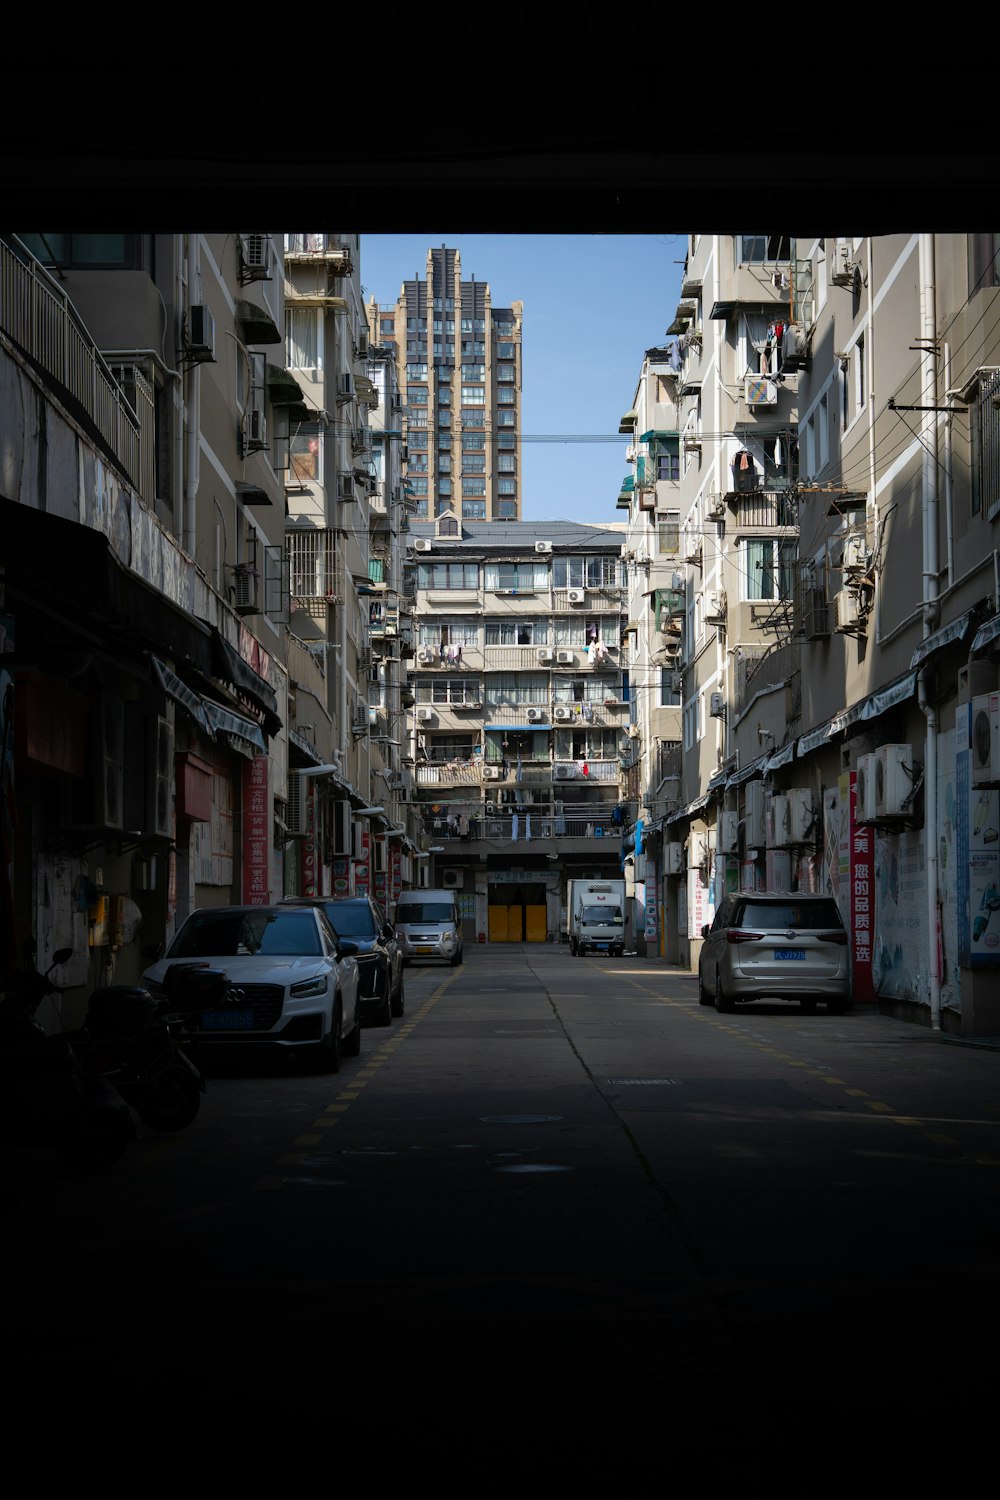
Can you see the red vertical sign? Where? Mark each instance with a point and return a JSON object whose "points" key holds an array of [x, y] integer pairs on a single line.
{"points": [[862, 898], [341, 869], [396, 872], [362, 866], [256, 844], [309, 861], [380, 876]]}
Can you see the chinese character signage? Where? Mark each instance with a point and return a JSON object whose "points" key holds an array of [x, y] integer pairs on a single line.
{"points": [[341, 871], [380, 876], [362, 866], [310, 862], [396, 872], [256, 843], [860, 890], [652, 889]]}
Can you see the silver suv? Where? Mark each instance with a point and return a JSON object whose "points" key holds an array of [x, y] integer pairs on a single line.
{"points": [[766, 945]]}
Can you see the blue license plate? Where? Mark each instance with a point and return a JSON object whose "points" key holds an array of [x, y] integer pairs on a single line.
{"points": [[789, 953], [227, 1020]]}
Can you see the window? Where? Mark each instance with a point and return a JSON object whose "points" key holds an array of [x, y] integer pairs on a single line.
{"points": [[585, 572], [668, 460], [984, 261], [302, 339], [305, 454], [579, 632], [760, 249], [473, 372], [473, 463], [505, 373], [444, 464], [448, 527], [449, 632], [506, 463], [129, 252], [668, 533], [474, 510], [444, 420], [444, 486], [505, 351], [692, 722], [387, 325], [472, 418], [455, 690], [448, 575], [506, 418], [517, 687], [670, 694], [416, 440], [473, 486], [985, 436], [506, 510], [506, 397], [769, 568], [506, 486], [416, 372], [517, 575], [417, 487], [473, 395], [417, 395], [517, 632], [589, 689], [506, 440]]}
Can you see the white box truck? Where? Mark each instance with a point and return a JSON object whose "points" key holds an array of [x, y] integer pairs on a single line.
{"points": [[596, 916]]}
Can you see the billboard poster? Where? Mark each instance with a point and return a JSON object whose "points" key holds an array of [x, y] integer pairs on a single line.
{"points": [[698, 903], [309, 857], [651, 888], [978, 817], [256, 843], [395, 872], [362, 866], [341, 874], [856, 879]]}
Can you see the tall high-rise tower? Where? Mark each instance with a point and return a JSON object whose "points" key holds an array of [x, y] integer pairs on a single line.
{"points": [[459, 363]]}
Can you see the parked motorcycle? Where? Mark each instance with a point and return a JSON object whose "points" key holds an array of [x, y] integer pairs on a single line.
{"points": [[48, 1097]]}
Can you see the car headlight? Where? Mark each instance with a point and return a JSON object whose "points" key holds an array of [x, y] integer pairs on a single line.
{"points": [[307, 987]]}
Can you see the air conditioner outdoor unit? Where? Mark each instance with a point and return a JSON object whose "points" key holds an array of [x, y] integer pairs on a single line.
{"points": [[565, 658], [491, 773], [533, 715], [545, 656], [895, 779], [729, 832], [422, 544], [345, 386], [781, 822], [844, 268], [717, 603], [794, 347], [543, 546], [256, 430], [716, 510], [986, 739], [246, 590], [255, 257], [425, 715], [345, 487], [452, 880], [717, 705], [760, 392], [802, 815], [755, 806], [675, 859], [361, 349], [426, 655], [563, 773], [630, 454], [847, 611], [396, 402], [561, 713], [577, 596], [200, 341], [815, 614], [864, 790], [855, 559]]}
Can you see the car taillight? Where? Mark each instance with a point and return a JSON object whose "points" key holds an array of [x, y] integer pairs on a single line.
{"points": [[740, 935], [833, 937]]}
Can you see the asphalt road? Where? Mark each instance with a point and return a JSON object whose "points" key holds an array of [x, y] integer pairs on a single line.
{"points": [[554, 1183]]}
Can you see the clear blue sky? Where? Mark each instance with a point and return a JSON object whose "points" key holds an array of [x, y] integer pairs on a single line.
{"points": [[593, 304]]}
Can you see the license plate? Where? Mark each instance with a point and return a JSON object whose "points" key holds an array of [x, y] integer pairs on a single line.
{"points": [[227, 1020], [789, 953], [425, 950]]}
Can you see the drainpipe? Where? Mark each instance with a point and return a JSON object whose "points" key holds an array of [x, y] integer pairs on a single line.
{"points": [[948, 487], [931, 611], [193, 428]]}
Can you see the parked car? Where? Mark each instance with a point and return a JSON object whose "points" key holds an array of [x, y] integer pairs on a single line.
{"points": [[380, 958], [428, 926], [294, 985], [765, 945]]}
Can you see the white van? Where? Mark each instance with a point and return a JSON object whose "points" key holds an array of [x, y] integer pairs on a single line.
{"points": [[428, 926]]}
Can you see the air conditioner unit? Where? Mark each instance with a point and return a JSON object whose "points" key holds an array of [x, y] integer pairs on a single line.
{"points": [[345, 386], [717, 604], [864, 790], [847, 611], [717, 705], [360, 722], [895, 781], [255, 257], [491, 773], [759, 392], [815, 614], [577, 596], [675, 859], [844, 268], [565, 658], [246, 590], [533, 715], [755, 810], [855, 559], [426, 655], [544, 656], [781, 822], [564, 773], [452, 880], [199, 344], [396, 402], [716, 510], [425, 715], [543, 546], [361, 348], [794, 347], [729, 832], [802, 815], [345, 487], [256, 430], [561, 713], [986, 739], [630, 454], [671, 648], [422, 544]]}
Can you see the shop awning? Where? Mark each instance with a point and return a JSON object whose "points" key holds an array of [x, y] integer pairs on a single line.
{"points": [[628, 421], [872, 707], [747, 773], [255, 325], [182, 694], [234, 726], [517, 728], [283, 388], [230, 667], [955, 631], [780, 757]]}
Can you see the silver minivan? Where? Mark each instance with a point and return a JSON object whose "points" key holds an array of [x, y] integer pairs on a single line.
{"points": [[428, 926]]}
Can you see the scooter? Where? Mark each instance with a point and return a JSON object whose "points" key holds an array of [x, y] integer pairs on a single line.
{"points": [[48, 1098]]}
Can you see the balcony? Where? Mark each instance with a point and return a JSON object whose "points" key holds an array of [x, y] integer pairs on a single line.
{"points": [[765, 510]]}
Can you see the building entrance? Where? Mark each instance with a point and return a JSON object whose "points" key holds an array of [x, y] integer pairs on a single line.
{"points": [[517, 913]]}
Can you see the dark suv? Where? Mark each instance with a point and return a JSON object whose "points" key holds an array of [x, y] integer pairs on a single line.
{"points": [[380, 961], [766, 945]]}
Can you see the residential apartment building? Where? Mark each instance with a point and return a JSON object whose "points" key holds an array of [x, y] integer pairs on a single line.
{"points": [[460, 377], [839, 489], [346, 816], [520, 714]]}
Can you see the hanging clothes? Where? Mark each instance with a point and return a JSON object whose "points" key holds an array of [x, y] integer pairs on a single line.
{"points": [[527, 828], [513, 829], [520, 772], [591, 653], [744, 471]]}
